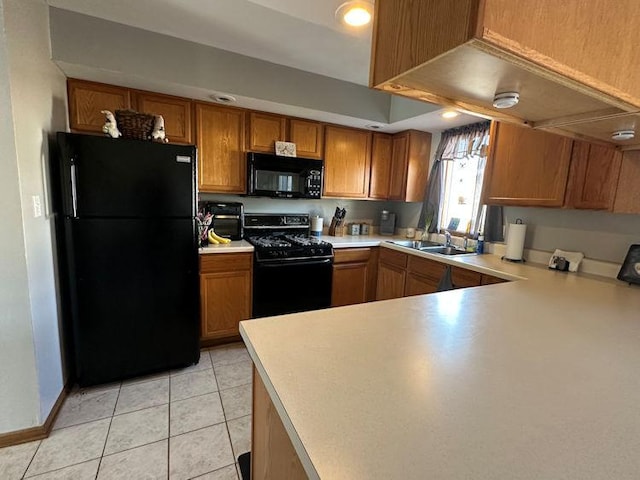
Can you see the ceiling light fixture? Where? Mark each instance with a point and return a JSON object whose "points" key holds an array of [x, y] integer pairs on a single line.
{"points": [[355, 13], [506, 99], [223, 98], [623, 135], [373, 126], [449, 114]]}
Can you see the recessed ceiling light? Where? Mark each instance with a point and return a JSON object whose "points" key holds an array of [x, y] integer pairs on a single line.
{"points": [[355, 13], [223, 98], [506, 99], [449, 114], [623, 135]]}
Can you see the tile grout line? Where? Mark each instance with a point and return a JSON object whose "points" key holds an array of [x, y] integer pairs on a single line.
{"points": [[169, 434], [31, 461], [115, 405], [226, 420]]}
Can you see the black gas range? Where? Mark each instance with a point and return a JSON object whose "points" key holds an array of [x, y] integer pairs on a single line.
{"points": [[292, 271]]}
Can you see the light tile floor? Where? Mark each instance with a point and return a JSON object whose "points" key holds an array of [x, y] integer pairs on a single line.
{"points": [[184, 424]]}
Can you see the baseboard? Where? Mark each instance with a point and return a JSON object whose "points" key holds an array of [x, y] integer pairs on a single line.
{"points": [[213, 342], [34, 433]]}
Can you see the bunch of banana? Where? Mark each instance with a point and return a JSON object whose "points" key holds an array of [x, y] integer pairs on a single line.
{"points": [[215, 239]]}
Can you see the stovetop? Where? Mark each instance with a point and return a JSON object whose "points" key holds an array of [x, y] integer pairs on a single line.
{"points": [[284, 236]]}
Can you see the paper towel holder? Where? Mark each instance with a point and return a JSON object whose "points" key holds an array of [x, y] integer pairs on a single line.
{"points": [[514, 260]]}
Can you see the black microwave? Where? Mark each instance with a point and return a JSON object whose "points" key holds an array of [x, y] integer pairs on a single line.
{"points": [[284, 177]]}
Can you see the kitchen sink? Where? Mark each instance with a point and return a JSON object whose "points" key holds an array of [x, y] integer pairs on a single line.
{"points": [[417, 244], [430, 247], [447, 251]]}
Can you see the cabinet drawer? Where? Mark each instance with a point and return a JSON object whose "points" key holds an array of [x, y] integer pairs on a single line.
{"points": [[462, 278], [427, 268], [393, 258], [349, 255], [225, 262]]}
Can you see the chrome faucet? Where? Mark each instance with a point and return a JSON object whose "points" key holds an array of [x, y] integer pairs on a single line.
{"points": [[447, 239]]}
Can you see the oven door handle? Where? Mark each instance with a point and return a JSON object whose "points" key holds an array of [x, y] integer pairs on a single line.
{"points": [[294, 262]]}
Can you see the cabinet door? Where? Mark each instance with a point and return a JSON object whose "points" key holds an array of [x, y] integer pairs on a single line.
{"points": [[308, 137], [176, 112], [419, 285], [222, 165], [490, 280], [628, 193], [400, 154], [462, 278], [526, 167], [417, 166], [87, 99], [380, 166], [225, 300], [349, 284], [347, 162], [391, 281], [593, 176], [264, 130]]}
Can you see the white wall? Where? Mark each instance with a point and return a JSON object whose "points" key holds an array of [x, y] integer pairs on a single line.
{"points": [[599, 235], [37, 100], [18, 385]]}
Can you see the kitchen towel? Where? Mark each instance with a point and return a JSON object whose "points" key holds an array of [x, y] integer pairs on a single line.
{"points": [[515, 240], [574, 259]]}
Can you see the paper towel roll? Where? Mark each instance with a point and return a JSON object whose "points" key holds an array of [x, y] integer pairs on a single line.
{"points": [[316, 226], [515, 241]]}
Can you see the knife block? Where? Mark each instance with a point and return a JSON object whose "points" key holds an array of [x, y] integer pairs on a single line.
{"points": [[336, 229]]}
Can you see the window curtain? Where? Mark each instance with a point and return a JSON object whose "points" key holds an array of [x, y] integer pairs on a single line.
{"points": [[455, 144]]}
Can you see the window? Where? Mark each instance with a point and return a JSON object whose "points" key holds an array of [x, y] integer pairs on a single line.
{"points": [[454, 191], [462, 187]]}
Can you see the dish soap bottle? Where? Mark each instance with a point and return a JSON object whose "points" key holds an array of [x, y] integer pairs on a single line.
{"points": [[480, 244]]}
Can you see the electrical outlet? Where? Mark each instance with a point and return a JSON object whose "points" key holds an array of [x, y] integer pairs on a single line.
{"points": [[37, 206]]}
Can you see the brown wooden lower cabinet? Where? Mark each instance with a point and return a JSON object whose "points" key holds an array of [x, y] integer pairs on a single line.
{"points": [[392, 274], [403, 275], [463, 278], [490, 279], [272, 453], [225, 294], [354, 276]]}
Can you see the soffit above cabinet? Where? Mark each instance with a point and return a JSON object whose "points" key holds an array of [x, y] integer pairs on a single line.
{"points": [[423, 51]]}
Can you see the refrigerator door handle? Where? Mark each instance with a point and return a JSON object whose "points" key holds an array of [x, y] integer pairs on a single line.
{"points": [[74, 193]]}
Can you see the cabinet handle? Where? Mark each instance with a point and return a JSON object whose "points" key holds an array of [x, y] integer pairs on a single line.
{"points": [[74, 193]]}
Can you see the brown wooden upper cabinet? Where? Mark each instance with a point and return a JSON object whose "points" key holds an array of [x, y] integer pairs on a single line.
{"points": [[381, 152], [176, 111], [308, 136], [347, 162], [410, 166], [526, 167], [593, 176], [222, 163], [628, 193], [87, 99], [264, 129], [567, 60]]}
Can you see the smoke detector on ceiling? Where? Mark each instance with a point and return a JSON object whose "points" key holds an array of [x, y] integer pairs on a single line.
{"points": [[223, 98], [506, 99], [623, 135]]}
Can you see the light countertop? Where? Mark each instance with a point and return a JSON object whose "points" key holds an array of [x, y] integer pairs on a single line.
{"points": [[236, 246], [531, 379]]}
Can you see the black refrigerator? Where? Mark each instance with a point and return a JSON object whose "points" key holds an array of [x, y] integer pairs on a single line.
{"points": [[127, 256]]}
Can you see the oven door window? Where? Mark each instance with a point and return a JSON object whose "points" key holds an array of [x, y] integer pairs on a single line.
{"points": [[271, 181], [227, 226]]}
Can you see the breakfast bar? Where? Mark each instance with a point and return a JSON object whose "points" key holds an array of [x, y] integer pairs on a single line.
{"points": [[535, 378]]}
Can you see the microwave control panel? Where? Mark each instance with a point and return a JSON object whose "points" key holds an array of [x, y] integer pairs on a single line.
{"points": [[314, 184]]}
